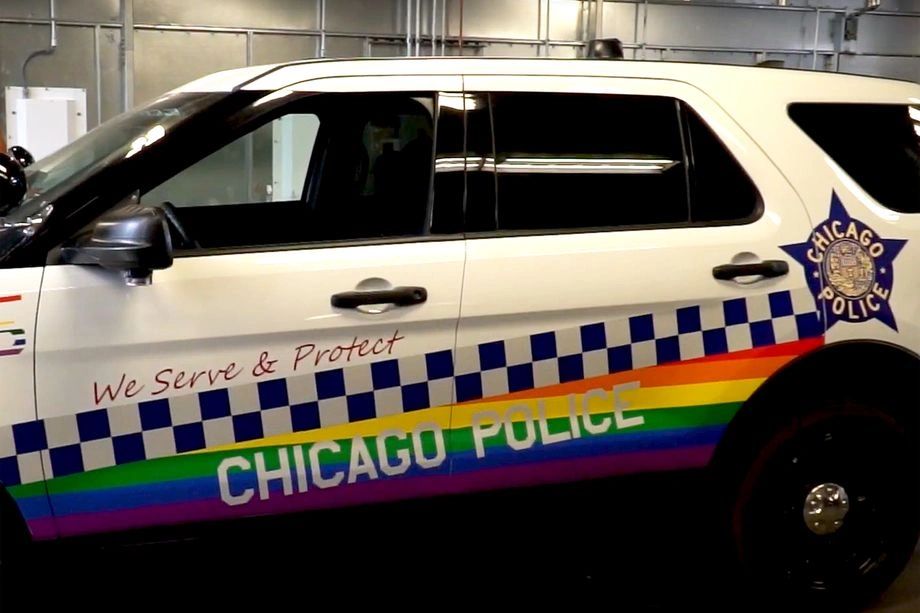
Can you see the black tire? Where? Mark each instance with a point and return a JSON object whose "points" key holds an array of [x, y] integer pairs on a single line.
{"points": [[875, 460]]}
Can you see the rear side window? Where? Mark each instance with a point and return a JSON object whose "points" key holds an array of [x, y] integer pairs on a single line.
{"points": [[720, 190], [577, 161], [878, 145], [559, 162]]}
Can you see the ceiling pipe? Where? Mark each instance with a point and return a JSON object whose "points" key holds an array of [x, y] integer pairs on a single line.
{"points": [[460, 44], [443, 27], [418, 26], [408, 28], [47, 51], [434, 26]]}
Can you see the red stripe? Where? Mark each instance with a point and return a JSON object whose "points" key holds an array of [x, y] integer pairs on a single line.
{"points": [[10, 298]]}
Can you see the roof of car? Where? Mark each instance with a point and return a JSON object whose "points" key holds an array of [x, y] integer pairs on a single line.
{"points": [[705, 76]]}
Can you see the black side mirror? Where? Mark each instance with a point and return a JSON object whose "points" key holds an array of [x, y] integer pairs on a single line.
{"points": [[12, 183], [133, 239], [22, 155]]}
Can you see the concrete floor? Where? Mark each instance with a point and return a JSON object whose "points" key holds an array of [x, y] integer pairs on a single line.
{"points": [[904, 595]]}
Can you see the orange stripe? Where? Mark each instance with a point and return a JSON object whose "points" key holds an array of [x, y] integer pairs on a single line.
{"points": [[10, 298], [678, 373], [749, 364]]}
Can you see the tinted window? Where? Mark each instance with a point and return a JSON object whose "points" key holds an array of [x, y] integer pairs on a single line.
{"points": [[572, 161], [720, 190], [587, 161], [878, 145], [324, 168]]}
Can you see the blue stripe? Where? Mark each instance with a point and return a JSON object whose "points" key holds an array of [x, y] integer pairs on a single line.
{"points": [[33, 507], [197, 488]]}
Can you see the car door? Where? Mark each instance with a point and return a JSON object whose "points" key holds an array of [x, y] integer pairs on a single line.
{"points": [[21, 473], [297, 353], [625, 288]]}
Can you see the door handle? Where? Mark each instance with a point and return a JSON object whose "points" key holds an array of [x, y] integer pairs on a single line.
{"points": [[398, 296], [767, 269]]}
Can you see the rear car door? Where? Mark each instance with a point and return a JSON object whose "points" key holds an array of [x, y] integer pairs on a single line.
{"points": [[626, 286], [298, 352]]}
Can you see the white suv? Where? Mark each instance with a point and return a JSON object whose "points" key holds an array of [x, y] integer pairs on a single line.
{"points": [[341, 282]]}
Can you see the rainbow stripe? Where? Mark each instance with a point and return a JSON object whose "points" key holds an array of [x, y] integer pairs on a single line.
{"points": [[684, 408]]}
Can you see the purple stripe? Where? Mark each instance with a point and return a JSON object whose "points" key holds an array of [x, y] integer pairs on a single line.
{"points": [[43, 528], [11, 352], [392, 489]]}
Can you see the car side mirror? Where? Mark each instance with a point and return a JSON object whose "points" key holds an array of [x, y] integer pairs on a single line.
{"points": [[132, 239], [21, 155]]}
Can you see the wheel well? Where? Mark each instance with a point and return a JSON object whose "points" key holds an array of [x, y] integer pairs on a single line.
{"points": [[873, 373], [12, 523]]}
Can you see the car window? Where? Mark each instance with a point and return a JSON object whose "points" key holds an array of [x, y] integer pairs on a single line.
{"points": [[268, 165], [878, 145], [570, 161], [328, 167], [720, 189]]}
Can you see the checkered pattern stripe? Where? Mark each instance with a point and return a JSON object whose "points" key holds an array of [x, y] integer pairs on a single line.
{"points": [[596, 349], [165, 427]]}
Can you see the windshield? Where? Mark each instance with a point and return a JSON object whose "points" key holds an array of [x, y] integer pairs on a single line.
{"points": [[118, 138]]}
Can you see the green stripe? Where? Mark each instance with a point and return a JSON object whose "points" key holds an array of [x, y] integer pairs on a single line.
{"points": [[27, 490], [202, 464]]}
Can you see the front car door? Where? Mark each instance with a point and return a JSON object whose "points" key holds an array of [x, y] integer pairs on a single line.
{"points": [[298, 352], [595, 338]]}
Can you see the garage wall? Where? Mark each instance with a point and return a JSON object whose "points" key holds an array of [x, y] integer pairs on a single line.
{"points": [[178, 40]]}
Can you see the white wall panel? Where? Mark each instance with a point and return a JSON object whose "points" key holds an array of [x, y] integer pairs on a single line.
{"points": [[75, 10], [565, 22], [291, 14], [163, 61], [620, 21], [369, 16], [496, 18], [888, 35], [344, 47], [894, 67], [274, 48]]}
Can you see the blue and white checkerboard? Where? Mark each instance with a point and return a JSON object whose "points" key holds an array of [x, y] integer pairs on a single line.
{"points": [[165, 427]]}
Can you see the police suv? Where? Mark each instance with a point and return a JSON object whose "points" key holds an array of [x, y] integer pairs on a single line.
{"points": [[331, 283]]}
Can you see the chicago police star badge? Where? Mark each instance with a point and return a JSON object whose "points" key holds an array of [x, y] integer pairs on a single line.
{"points": [[849, 268]]}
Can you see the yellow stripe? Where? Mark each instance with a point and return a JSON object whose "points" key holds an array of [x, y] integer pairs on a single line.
{"points": [[643, 398], [7, 323], [403, 422]]}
